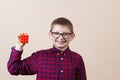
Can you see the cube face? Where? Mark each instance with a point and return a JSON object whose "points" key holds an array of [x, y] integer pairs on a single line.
{"points": [[24, 38]]}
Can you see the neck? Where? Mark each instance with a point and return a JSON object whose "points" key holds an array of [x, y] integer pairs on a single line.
{"points": [[62, 48]]}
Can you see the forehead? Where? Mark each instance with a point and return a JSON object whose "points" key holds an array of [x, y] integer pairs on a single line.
{"points": [[60, 28]]}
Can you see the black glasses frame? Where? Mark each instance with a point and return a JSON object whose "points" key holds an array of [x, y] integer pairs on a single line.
{"points": [[57, 34]]}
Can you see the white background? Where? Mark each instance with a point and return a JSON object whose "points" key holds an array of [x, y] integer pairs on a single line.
{"points": [[96, 24]]}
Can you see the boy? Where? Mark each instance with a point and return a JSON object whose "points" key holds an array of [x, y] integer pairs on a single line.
{"points": [[56, 63]]}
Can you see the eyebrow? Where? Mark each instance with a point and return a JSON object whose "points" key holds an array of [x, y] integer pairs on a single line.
{"points": [[63, 32]]}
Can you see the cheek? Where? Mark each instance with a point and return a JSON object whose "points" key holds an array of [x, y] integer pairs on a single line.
{"points": [[70, 38], [53, 39]]}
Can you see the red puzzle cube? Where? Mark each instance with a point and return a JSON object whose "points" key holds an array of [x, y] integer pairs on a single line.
{"points": [[24, 38]]}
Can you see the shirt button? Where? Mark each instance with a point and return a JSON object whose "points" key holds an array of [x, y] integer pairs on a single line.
{"points": [[64, 54], [61, 71], [57, 53], [61, 58]]}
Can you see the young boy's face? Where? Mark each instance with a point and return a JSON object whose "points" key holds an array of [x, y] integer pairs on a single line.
{"points": [[61, 36]]}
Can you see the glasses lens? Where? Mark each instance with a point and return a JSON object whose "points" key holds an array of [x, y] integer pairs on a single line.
{"points": [[66, 35], [57, 34]]}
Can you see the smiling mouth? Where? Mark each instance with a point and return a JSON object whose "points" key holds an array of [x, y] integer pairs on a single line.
{"points": [[61, 42]]}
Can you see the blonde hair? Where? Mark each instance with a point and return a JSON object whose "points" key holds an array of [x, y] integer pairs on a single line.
{"points": [[62, 21]]}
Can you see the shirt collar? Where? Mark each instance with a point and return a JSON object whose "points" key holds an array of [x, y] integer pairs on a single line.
{"points": [[55, 50]]}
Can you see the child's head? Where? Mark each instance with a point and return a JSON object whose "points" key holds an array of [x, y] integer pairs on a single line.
{"points": [[61, 33], [63, 22]]}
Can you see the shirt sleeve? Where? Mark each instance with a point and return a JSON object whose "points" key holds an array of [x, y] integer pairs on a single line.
{"points": [[81, 72], [26, 66]]}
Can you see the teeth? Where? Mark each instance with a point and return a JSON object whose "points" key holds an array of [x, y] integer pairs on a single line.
{"points": [[61, 42]]}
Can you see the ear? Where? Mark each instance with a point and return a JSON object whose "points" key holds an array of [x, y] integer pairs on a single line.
{"points": [[50, 34]]}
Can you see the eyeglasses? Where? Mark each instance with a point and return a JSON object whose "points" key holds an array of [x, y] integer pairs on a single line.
{"points": [[57, 34]]}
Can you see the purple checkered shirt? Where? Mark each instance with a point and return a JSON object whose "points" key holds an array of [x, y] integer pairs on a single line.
{"points": [[49, 64]]}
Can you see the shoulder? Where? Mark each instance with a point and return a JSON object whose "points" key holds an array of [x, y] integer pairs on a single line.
{"points": [[44, 51], [76, 55], [41, 52]]}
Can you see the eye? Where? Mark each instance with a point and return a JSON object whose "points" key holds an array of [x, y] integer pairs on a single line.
{"points": [[66, 34], [55, 33]]}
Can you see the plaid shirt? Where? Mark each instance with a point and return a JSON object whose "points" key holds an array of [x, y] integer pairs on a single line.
{"points": [[50, 64]]}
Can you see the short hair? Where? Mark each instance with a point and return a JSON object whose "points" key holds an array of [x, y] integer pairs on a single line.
{"points": [[64, 22]]}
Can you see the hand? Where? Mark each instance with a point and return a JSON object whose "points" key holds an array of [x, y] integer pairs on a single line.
{"points": [[22, 40]]}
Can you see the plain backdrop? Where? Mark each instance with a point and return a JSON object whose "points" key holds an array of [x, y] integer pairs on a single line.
{"points": [[96, 25]]}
